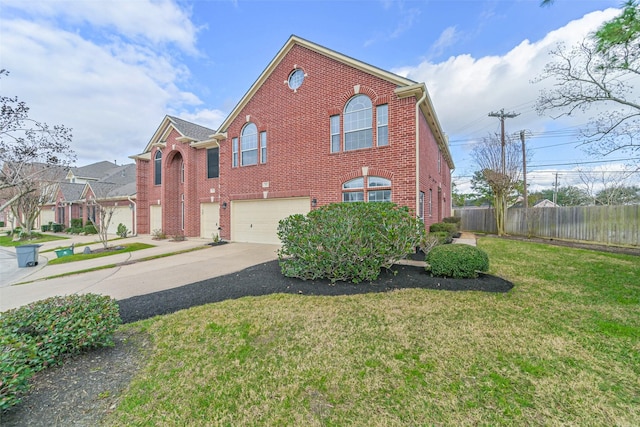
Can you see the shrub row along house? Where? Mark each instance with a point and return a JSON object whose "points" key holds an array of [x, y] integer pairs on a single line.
{"points": [[316, 127]]}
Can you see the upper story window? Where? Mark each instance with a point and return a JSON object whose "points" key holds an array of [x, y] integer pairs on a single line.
{"points": [[182, 172], [295, 79], [263, 147], [335, 133], [377, 189], [249, 145], [213, 162], [235, 152], [382, 119], [157, 168], [357, 123]]}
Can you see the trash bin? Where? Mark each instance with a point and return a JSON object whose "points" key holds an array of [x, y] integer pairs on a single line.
{"points": [[27, 255]]}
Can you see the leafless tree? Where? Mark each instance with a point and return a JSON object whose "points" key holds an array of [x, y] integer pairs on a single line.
{"points": [[606, 188], [25, 142], [587, 78], [102, 220], [501, 178]]}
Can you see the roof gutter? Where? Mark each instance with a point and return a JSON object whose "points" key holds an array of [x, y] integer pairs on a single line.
{"points": [[418, 103]]}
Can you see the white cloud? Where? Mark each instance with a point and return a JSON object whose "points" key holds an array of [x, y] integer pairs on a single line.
{"points": [[156, 22], [464, 87], [112, 92], [447, 38]]}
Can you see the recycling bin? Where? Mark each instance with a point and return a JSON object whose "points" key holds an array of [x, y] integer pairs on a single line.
{"points": [[27, 255]]}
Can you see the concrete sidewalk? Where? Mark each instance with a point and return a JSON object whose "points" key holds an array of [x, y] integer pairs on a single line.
{"points": [[129, 278]]}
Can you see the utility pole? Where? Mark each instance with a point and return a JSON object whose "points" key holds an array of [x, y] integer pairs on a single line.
{"points": [[502, 115], [555, 191], [524, 171]]}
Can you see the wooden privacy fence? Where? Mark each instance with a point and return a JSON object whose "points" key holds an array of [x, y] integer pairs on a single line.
{"points": [[610, 225]]}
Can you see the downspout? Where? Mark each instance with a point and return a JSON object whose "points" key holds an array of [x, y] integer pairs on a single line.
{"points": [[420, 101], [135, 216]]}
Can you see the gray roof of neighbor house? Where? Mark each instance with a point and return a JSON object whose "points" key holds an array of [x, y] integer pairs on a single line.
{"points": [[71, 192], [191, 130], [107, 181], [95, 171]]}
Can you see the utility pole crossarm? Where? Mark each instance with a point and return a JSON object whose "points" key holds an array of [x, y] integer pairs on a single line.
{"points": [[502, 116]]}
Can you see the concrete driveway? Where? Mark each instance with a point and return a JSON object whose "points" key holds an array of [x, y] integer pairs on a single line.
{"points": [[131, 276]]}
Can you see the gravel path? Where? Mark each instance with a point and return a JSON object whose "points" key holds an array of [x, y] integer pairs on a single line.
{"points": [[87, 387]]}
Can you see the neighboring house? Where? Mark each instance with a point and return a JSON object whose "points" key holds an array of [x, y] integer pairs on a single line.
{"points": [[317, 127], [546, 203], [105, 183]]}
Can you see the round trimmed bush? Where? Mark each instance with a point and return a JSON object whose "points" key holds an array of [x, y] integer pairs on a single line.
{"points": [[347, 241], [457, 261]]}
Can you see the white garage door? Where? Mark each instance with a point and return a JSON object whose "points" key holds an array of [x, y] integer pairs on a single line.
{"points": [[209, 219], [121, 215], [155, 218], [256, 221], [47, 215]]}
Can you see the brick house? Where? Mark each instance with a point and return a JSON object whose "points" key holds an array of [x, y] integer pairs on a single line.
{"points": [[74, 197], [316, 127]]}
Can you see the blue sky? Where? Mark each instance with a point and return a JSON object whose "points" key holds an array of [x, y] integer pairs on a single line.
{"points": [[111, 70]]}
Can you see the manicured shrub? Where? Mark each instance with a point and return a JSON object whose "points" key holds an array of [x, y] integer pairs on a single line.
{"points": [[40, 334], [452, 220], [347, 241], [76, 223], [158, 234], [444, 226], [90, 229], [122, 230], [457, 261], [57, 228]]}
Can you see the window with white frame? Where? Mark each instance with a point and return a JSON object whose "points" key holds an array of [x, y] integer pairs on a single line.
{"points": [[430, 203], [263, 147], [358, 123], [249, 145], [335, 133], [382, 119], [235, 152], [421, 205], [157, 165], [373, 189]]}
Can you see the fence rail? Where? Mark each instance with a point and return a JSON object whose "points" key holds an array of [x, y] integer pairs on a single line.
{"points": [[610, 225]]}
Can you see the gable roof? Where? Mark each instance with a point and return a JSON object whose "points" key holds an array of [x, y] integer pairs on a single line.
{"points": [[93, 171], [71, 192], [189, 132], [406, 88]]}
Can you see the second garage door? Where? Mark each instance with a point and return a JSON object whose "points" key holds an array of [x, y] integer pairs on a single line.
{"points": [[121, 215], [256, 221]]}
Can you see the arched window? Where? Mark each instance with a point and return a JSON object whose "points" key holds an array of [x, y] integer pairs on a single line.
{"points": [[358, 123], [157, 168], [249, 145], [376, 188]]}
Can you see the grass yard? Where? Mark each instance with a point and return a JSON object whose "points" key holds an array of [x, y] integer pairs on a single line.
{"points": [[37, 238], [562, 348], [131, 247]]}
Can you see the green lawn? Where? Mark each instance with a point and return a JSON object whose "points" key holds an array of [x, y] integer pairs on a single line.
{"points": [[36, 238], [131, 247], [562, 348]]}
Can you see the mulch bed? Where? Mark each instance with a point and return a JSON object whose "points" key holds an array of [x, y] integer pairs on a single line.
{"points": [[266, 279], [87, 387]]}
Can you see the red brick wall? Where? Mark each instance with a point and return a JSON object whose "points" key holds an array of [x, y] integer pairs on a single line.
{"points": [[298, 128], [298, 144], [439, 182]]}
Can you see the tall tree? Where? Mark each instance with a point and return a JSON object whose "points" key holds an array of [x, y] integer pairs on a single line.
{"points": [[488, 156], [598, 73], [25, 142]]}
